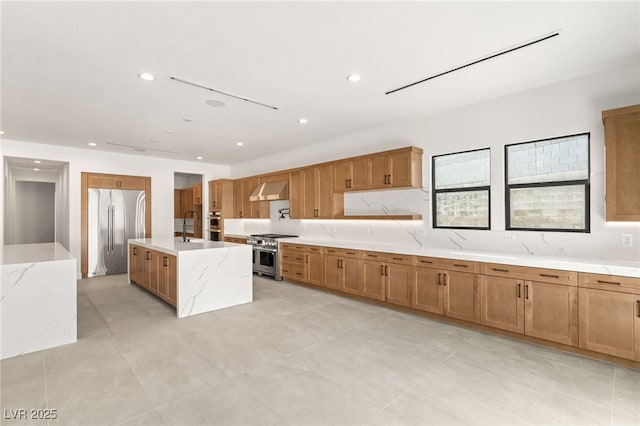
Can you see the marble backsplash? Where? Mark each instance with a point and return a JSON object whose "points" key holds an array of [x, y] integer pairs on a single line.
{"points": [[603, 242]]}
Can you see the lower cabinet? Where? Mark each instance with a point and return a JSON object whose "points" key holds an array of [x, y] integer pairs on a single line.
{"points": [[388, 277], [342, 270], [154, 271], [373, 280], [302, 263], [539, 309], [447, 292], [610, 315]]}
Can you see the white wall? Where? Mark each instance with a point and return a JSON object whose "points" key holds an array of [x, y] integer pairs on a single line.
{"points": [[160, 170], [562, 109]]}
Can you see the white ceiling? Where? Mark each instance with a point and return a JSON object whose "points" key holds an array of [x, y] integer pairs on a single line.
{"points": [[70, 69]]}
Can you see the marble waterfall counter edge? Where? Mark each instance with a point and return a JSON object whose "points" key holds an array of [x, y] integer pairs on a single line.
{"points": [[210, 274], [39, 298]]}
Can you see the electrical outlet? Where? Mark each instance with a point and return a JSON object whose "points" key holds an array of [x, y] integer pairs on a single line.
{"points": [[510, 237], [627, 240]]}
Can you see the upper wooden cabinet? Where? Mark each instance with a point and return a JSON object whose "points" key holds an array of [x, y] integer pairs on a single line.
{"points": [[317, 199], [243, 207], [99, 180], [351, 175], [197, 193], [396, 169], [221, 196], [622, 148]]}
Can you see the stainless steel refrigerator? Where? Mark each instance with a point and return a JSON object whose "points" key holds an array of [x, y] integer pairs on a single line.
{"points": [[115, 216]]}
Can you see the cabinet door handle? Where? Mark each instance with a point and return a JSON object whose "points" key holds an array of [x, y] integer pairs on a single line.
{"points": [[346, 183], [382, 270], [341, 263], [526, 291], [337, 263], [609, 282], [500, 270], [148, 255], [439, 278], [426, 261], [386, 271], [519, 290], [165, 261], [350, 185], [135, 251], [460, 265], [638, 303], [398, 258], [550, 276], [446, 279], [306, 258]]}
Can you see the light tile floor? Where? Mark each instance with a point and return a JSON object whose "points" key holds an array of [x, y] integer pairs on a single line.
{"points": [[297, 356]]}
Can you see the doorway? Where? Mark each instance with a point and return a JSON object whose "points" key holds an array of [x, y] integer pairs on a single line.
{"points": [[36, 212]]}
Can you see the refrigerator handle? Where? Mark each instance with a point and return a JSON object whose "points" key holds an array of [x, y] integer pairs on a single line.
{"points": [[108, 229], [113, 229]]}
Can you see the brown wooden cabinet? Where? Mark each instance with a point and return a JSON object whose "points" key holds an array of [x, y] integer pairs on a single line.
{"points": [[610, 314], [342, 270], [236, 240], [221, 196], [442, 289], [243, 207], [239, 211], [317, 199], [154, 271], [396, 169], [351, 175], [197, 194], [259, 209], [302, 263], [547, 310], [107, 181], [622, 151], [177, 204], [388, 277]]}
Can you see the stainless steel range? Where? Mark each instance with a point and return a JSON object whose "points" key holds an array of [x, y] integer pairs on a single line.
{"points": [[266, 260]]}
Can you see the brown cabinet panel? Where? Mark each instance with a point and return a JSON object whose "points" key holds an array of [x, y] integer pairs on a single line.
{"points": [[551, 312], [461, 295], [609, 282], [177, 203], [333, 275], [622, 148], [400, 282], [314, 268], [197, 193], [351, 175], [428, 291], [309, 209], [296, 202], [555, 276], [171, 279], [96, 180], [399, 170], [238, 196], [136, 264], [150, 275], [378, 171], [501, 303], [374, 280], [325, 193], [610, 322], [352, 275], [396, 169], [341, 176]]}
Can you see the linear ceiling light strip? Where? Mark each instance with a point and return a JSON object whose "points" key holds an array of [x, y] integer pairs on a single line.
{"points": [[223, 93], [141, 147], [502, 52]]}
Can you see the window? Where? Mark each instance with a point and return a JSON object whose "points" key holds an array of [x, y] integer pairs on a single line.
{"points": [[547, 184], [461, 190]]}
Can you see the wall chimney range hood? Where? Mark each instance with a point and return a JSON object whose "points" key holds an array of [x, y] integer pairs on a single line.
{"points": [[271, 191]]}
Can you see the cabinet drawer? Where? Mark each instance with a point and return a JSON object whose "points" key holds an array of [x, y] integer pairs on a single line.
{"points": [[609, 282], [403, 259], [555, 276], [313, 249], [292, 270], [448, 264], [292, 256], [343, 252], [291, 247]]}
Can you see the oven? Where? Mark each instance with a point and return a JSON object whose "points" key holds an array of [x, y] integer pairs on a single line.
{"points": [[266, 259]]}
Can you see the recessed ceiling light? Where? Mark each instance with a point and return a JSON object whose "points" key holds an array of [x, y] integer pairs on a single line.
{"points": [[146, 76], [303, 121], [239, 143], [198, 158], [188, 120], [214, 103], [92, 144], [37, 170], [1, 132], [36, 161], [354, 78]]}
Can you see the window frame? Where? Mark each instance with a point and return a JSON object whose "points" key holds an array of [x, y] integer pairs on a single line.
{"points": [[435, 192], [586, 182]]}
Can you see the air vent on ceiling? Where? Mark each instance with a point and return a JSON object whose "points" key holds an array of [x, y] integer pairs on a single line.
{"points": [[477, 61], [242, 98], [141, 148]]}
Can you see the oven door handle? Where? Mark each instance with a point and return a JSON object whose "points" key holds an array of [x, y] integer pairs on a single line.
{"points": [[266, 250]]}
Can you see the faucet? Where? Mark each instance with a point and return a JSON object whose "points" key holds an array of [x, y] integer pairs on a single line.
{"points": [[184, 223]]}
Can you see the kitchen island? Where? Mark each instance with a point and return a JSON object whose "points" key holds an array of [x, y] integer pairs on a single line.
{"points": [[38, 300], [195, 277]]}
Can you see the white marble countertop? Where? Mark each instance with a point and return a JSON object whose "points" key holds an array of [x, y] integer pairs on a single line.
{"points": [[597, 266], [176, 245], [15, 254]]}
